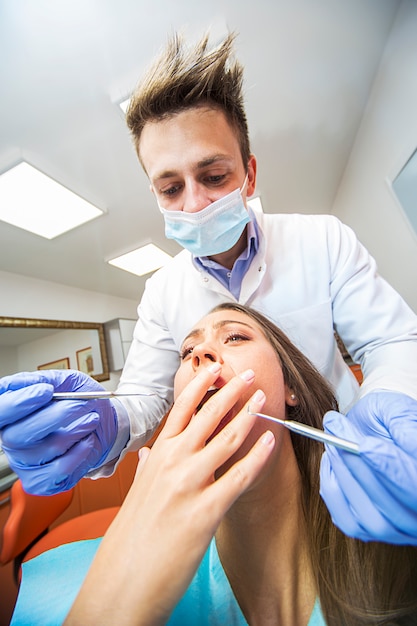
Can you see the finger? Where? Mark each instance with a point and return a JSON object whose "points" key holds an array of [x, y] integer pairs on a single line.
{"points": [[390, 477], [231, 437], [188, 400], [21, 380], [54, 445], [358, 493], [224, 491], [219, 407], [340, 425], [55, 415], [336, 502], [402, 422], [143, 457], [143, 454], [17, 404], [385, 473], [61, 380], [60, 474]]}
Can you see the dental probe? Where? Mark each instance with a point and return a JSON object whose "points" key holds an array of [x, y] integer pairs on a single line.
{"points": [[89, 395], [312, 433]]}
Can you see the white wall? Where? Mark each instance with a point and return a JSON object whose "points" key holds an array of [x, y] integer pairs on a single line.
{"points": [[386, 138], [8, 361], [22, 296]]}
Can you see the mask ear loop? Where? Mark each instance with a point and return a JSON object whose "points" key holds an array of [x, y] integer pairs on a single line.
{"points": [[244, 183]]}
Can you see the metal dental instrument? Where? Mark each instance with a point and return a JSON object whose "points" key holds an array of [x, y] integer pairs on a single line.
{"points": [[297, 427], [89, 395], [312, 433]]}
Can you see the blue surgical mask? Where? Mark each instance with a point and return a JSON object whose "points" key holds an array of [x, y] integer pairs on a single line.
{"points": [[212, 230]]}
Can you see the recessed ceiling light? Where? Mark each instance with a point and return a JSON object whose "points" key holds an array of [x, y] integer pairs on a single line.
{"points": [[142, 260], [34, 202]]}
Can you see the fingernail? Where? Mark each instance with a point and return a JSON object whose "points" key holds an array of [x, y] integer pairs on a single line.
{"points": [[258, 396], [267, 438], [214, 368], [247, 375]]}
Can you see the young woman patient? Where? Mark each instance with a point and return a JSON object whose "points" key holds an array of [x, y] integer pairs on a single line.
{"points": [[224, 524]]}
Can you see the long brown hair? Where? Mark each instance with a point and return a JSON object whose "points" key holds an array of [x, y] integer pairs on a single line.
{"points": [[358, 583]]}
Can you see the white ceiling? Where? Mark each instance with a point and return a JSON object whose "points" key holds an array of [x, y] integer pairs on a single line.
{"points": [[65, 65]]}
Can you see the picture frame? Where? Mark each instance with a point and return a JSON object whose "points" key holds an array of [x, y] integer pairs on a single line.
{"points": [[59, 364], [19, 326], [85, 361]]}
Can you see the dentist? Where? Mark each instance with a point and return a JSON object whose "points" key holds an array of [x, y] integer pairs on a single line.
{"points": [[307, 273]]}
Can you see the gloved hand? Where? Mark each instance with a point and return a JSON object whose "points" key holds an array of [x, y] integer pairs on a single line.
{"points": [[51, 445], [373, 496]]}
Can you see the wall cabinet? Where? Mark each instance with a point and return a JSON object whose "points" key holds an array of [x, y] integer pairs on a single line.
{"points": [[119, 335]]}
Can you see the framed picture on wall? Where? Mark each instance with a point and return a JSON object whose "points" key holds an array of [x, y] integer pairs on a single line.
{"points": [[60, 364], [85, 362]]}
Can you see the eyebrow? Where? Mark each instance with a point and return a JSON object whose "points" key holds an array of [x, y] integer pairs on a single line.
{"points": [[199, 331], [200, 165]]}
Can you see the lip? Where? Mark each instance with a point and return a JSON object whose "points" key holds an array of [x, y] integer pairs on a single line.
{"points": [[218, 384], [209, 394]]}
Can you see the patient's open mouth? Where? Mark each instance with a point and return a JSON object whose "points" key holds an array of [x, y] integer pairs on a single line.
{"points": [[210, 392], [226, 418]]}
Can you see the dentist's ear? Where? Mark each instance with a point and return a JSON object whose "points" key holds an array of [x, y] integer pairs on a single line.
{"points": [[252, 167]]}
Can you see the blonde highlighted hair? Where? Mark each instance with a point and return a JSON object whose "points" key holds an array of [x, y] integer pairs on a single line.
{"points": [[185, 77]]}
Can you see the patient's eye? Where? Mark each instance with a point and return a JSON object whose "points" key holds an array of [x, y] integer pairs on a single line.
{"points": [[186, 351], [236, 337]]}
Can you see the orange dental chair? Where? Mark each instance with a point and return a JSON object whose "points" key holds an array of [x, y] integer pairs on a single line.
{"points": [[26, 533]]}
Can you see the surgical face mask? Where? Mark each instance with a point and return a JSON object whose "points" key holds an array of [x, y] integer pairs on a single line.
{"points": [[212, 230]]}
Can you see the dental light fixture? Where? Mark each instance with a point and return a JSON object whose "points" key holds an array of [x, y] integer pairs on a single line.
{"points": [[35, 202], [142, 260]]}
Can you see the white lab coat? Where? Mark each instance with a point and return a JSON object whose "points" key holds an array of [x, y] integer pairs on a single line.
{"points": [[311, 276]]}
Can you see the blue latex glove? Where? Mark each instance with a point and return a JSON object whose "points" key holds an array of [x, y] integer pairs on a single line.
{"points": [[373, 496], [51, 445]]}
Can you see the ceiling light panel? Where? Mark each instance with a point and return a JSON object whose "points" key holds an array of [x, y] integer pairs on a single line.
{"points": [[142, 260], [35, 202]]}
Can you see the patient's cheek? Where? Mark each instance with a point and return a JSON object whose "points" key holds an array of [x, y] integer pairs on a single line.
{"points": [[179, 382]]}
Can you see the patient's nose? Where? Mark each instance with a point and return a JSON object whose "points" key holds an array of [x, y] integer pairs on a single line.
{"points": [[203, 356]]}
